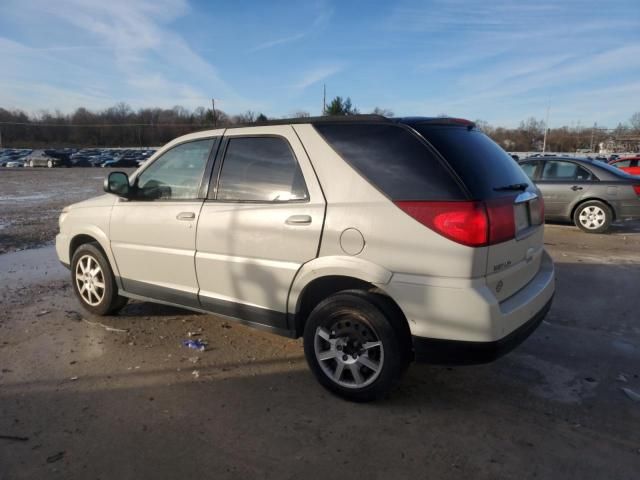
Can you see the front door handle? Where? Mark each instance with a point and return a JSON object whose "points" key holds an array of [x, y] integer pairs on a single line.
{"points": [[575, 188], [299, 220], [186, 216]]}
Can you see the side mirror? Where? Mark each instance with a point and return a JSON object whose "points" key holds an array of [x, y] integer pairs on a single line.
{"points": [[118, 184]]}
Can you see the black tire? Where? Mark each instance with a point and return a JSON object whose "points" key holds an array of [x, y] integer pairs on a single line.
{"points": [[107, 301], [593, 216], [362, 318]]}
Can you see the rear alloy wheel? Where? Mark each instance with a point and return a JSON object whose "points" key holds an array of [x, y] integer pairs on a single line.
{"points": [[93, 281], [49, 164], [593, 217], [352, 346]]}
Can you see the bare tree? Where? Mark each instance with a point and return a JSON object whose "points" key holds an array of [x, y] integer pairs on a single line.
{"points": [[385, 112]]}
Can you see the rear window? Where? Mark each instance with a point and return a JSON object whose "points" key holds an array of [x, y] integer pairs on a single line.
{"points": [[393, 159], [479, 161]]}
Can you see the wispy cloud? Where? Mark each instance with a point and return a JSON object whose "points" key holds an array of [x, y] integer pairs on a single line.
{"points": [[316, 75], [321, 16], [278, 41], [144, 56]]}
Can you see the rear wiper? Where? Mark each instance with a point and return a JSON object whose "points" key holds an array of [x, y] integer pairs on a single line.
{"points": [[513, 186]]}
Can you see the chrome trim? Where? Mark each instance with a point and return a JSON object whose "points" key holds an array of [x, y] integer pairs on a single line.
{"points": [[525, 197]]}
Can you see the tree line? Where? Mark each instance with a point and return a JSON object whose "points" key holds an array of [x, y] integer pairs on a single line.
{"points": [[121, 125]]}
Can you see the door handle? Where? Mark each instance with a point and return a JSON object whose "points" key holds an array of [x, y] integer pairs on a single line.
{"points": [[575, 188], [186, 216], [299, 220]]}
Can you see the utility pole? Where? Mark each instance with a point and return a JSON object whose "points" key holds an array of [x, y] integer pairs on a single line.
{"points": [[546, 129], [213, 111], [592, 132], [324, 99], [0, 138]]}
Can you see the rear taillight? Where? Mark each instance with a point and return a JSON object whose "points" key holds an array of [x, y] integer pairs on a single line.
{"points": [[471, 223], [636, 188], [502, 224]]}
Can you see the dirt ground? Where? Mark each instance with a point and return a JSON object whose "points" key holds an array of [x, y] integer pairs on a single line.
{"points": [[31, 200], [120, 397]]}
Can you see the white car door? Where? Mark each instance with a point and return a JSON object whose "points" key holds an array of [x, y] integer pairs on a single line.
{"points": [[153, 234], [262, 221]]}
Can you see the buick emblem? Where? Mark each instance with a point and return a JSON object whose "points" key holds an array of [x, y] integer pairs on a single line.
{"points": [[499, 286]]}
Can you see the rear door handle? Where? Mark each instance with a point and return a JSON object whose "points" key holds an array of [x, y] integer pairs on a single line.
{"points": [[299, 220], [186, 216], [575, 188]]}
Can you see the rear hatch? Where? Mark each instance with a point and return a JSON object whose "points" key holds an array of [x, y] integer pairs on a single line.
{"points": [[513, 202]]}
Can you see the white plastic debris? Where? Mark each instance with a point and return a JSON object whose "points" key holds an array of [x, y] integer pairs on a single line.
{"points": [[635, 396]]}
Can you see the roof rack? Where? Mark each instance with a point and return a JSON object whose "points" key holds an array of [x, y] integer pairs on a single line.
{"points": [[323, 119]]}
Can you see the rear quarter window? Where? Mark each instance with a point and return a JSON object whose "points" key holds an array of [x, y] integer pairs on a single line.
{"points": [[480, 162], [394, 160]]}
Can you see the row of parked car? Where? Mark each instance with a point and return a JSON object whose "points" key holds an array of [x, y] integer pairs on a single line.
{"points": [[73, 157]]}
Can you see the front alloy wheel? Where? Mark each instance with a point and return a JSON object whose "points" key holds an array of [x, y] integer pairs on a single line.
{"points": [[93, 280], [90, 280]]}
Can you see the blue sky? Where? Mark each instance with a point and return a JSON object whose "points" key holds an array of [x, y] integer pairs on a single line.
{"points": [[500, 61]]}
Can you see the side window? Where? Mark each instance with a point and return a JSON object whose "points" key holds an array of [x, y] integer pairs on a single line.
{"points": [[260, 169], [623, 163], [564, 171], [177, 174], [529, 168]]}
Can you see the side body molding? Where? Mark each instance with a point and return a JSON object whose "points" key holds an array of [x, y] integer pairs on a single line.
{"points": [[334, 265]]}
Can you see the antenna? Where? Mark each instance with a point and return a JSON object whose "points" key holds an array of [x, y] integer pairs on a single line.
{"points": [[546, 129], [324, 99]]}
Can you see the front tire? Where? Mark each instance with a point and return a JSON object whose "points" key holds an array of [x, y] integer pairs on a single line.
{"points": [[93, 281], [354, 347], [593, 216]]}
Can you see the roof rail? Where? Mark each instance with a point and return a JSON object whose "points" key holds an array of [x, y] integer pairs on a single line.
{"points": [[323, 119]]}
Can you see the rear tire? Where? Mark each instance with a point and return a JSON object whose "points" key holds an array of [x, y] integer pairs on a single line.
{"points": [[93, 281], [593, 216], [354, 347]]}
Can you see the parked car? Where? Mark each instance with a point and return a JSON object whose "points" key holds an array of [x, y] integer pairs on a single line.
{"points": [[40, 159], [121, 162], [589, 193], [377, 240], [631, 165], [14, 164]]}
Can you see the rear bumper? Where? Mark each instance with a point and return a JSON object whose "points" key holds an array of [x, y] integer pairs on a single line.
{"points": [[458, 317], [455, 352]]}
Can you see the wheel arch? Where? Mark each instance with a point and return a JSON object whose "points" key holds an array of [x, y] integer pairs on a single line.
{"points": [[94, 235], [325, 276]]}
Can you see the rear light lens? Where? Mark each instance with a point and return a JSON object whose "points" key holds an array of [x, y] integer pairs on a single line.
{"points": [[502, 224], [470, 223], [636, 188], [536, 210]]}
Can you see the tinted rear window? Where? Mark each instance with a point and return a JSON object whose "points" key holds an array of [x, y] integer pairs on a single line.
{"points": [[479, 161], [393, 159]]}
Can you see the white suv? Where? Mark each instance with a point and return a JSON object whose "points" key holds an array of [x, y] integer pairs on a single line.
{"points": [[378, 240]]}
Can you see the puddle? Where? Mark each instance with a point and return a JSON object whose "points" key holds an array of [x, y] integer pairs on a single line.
{"points": [[28, 267]]}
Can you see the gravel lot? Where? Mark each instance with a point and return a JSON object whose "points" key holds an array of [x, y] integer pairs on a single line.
{"points": [[129, 401]]}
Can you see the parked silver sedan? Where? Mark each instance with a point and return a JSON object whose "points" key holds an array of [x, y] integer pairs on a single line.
{"points": [[589, 193]]}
